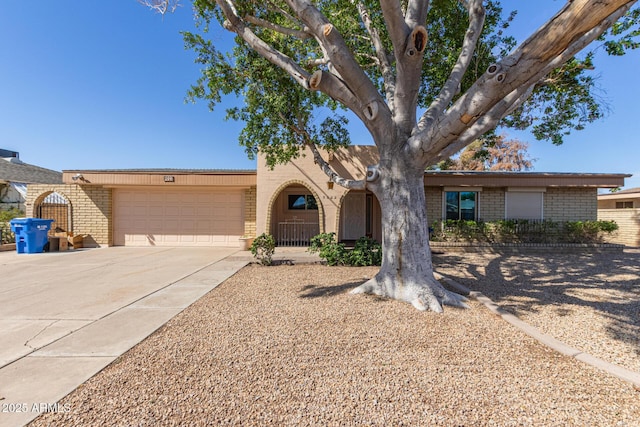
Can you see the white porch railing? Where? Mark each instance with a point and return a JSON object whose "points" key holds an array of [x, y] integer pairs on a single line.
{"points": [[296, 232]]}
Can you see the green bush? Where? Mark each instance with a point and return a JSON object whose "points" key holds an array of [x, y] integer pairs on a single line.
{"points": [[365, 252], [6, 235], [325, 245], [263, 248], [589, 231], [521, 231]]}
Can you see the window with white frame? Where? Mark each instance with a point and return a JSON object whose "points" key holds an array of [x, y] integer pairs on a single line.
{"points": [[461, 205]]}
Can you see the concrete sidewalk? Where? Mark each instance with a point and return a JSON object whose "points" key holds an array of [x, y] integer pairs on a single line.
{"points": [[66, 316]]}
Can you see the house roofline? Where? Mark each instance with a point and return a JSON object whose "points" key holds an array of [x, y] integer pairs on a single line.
{"points": [[162, 171]]}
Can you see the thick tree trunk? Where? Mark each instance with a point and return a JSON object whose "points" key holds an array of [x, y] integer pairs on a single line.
{"points": [[406, 273]]}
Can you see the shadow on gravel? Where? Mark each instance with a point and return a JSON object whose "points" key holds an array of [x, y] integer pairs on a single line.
{"points": [[608, 283], [313, 291]]}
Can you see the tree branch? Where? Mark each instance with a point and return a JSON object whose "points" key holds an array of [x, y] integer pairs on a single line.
{"points": [[565, 35], [396, 25], [235, 24], [336, 88], [409, 39], [350, 184], [452, 86], [409, 72], [300, 34], [371, 103], [161, 6], [417, 12], [487, 122], [381, 54]]}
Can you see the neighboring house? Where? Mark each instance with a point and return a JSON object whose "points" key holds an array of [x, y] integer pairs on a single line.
{"points": [[166, 207], [16, 175], [623, 207]]}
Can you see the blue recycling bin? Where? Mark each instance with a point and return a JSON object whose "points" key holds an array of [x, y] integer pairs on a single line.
{"points": [[31, 234]]}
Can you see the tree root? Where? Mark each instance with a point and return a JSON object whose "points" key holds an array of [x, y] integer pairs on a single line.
{"points": [[427, 296]]}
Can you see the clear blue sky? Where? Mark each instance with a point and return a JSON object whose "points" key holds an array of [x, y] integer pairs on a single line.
{"points": [[95, 85]]}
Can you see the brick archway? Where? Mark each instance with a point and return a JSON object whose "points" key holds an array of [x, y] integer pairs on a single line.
{"points": [[278, 192], [56, 205]]}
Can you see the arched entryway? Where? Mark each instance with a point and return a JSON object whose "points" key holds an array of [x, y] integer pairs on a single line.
{"points": [[359, 215], [295, 214], [57, 207]]}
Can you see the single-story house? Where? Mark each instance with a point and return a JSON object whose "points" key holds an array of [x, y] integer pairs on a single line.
{"points": [[295, 201], [15, 176], [623, 207]]}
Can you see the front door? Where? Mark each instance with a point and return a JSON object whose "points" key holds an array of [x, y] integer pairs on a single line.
{"points": [[355, 225]]}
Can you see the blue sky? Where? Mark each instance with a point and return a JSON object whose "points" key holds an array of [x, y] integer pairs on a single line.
{"points": [[95, 85]]}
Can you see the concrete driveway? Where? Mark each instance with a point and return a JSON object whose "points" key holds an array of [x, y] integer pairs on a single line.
{"points": [[65, 316]]}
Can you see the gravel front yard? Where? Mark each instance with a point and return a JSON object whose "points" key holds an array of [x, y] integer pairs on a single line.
{"points": [[289, 346], [588, 301]]}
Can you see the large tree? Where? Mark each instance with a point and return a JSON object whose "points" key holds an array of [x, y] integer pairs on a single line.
{"points": [[426, 78]]}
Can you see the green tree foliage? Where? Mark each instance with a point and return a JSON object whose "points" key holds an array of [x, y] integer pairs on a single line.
{"points": [[281, 117]]}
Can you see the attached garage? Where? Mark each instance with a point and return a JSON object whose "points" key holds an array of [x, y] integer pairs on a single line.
{"points": [[177, 217]]}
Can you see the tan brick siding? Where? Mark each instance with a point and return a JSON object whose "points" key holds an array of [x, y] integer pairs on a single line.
{"points": [[91, 209], [571, 204], [250, 212], [491, 204], [433, 196], [351, 163], [628, 221]]}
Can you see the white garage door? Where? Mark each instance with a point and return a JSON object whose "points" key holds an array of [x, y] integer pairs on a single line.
{"points": [[163, 217]]}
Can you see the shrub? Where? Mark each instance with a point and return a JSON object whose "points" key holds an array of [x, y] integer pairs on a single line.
{"points": [[365, 252], [6, 235], [522, 231], [9, 214], [263, 248], [325, 245], [589, 231]]}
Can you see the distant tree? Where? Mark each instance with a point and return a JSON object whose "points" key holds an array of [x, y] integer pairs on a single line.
{"points": [[499, 155], [426, 78]]}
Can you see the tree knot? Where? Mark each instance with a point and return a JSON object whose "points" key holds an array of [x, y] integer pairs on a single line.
{"points": [[372, 173]]}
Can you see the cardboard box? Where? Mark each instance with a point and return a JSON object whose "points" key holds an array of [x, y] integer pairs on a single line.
{"points": [[63, 245], [76, 241], [54, 244]]}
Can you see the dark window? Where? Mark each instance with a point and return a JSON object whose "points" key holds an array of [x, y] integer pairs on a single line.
{"points": [[624, 205], [302, 202], [461, 205]]}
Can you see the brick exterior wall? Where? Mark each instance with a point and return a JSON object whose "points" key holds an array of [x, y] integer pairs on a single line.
{"points": [[91, 209], [491, 204], [571, 204], [250, 206], [628, 221], [350, 163], [433, 196]]}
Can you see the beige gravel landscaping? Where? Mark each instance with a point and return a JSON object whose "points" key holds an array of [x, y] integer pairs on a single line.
{"points": [[288, 346], [590, 301]]}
